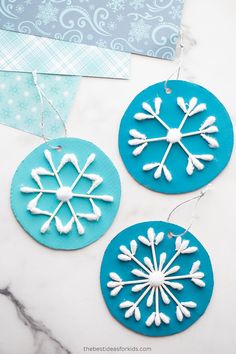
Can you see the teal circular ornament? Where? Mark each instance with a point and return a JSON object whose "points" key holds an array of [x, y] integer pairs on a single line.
{"points": [[153, 284], [176, 140], [66, 198]]}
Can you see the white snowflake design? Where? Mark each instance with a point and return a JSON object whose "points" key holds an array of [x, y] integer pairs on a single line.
{"points": [[175, 12], [47, 13], [111, 26], [65, 193], [19, 9], [139, 30], [155, 279], [9, 26], [175, 136], [116, 5], [101, 43], [137, 4]]}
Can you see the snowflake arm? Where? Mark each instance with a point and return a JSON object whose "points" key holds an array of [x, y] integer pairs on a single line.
{"points": [[152, 114], [128, 255], [160, 166]]}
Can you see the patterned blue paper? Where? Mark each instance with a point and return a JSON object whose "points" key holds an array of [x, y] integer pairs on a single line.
{"points": [[152, 263], [20, 105], [148, 27], [196, 159], [24, 52], [38, 172]]}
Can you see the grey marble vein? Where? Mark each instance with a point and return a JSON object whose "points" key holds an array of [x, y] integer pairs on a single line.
{"points": [[44, 340]]}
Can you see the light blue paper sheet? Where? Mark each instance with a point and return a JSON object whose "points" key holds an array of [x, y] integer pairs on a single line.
{"points": [[23, 52], [20, 104]]}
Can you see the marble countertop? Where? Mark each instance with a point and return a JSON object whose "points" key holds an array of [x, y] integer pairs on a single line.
{"points": [[50, 302]]}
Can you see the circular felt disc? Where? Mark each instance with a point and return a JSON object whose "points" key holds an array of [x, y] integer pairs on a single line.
{"points": [[153, 284], [66, 198], [175, 142]]}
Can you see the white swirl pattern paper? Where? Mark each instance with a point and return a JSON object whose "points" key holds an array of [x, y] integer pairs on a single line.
{"points": [[148, 27]]}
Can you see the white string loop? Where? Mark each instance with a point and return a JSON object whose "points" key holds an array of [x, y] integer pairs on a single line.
{"points": [[42, 96], [197, 198], [177, 71]]}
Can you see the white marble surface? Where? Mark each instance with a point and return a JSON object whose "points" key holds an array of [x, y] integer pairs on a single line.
{"points": [[51, 301]]}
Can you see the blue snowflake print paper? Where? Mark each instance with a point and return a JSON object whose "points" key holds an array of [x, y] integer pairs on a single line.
{"points": [[148, 27], [20, 104], [153, 284], [66, 198], [175, 142]]}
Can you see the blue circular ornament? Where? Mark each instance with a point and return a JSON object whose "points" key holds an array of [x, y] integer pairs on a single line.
{"points": [[66, 198], [153, 284], [176, 141]]}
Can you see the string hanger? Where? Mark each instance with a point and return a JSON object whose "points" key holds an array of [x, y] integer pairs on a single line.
{"points": [[178, 69], [198, 199], [42, 96]]}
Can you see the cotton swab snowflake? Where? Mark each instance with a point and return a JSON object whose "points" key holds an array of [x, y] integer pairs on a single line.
{"points": [[156, 278], [65, 194], [175, 136]]}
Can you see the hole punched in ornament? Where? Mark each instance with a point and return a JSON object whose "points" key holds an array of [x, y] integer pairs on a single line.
{"points": [[43, 97], [58, 148], [197, 198]]}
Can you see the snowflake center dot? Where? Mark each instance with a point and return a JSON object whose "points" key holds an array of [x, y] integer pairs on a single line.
{"points": [[64, 194], [174, 135], [156, 278]]}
